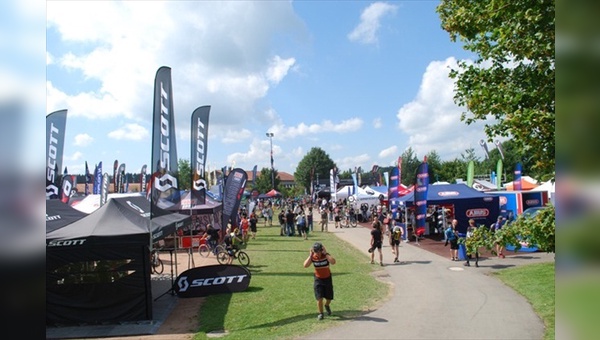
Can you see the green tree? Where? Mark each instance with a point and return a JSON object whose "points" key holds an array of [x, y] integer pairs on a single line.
{"points": [[315, 161], [185, 174], [410, 163], [512, 80], [452, 170], [263, 180], [434, 165]]}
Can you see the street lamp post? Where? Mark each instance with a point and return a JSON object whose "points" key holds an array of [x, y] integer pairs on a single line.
{"points": [[270, 135]]}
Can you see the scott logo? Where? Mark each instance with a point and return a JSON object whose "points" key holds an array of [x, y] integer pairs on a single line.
{"points": [[164, 128], [184, 285], [199, 183], [165, 182], [52, 154], [65, 243]]}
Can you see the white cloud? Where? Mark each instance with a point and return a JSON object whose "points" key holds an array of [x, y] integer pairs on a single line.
{"points": [[279, 68], [377, 123], [236, 136], [432, 119], [370, 18], [130, 132], [351, 162], [327, 126], [389, 152], [75, 156], [83, 139]]}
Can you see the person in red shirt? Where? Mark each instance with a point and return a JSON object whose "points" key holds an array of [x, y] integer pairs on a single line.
{"points": [[323, 284], [245, 224]]}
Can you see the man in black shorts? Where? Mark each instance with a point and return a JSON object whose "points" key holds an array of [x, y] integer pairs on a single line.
{"points": [[323, 284]]}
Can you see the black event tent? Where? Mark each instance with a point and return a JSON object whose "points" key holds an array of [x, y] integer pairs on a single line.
{"points": [[97, 268], [59, 214]]}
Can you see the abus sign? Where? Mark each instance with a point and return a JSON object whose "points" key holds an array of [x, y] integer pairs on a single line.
{"points": [[208, 280], [475, 213], [448, 193]]}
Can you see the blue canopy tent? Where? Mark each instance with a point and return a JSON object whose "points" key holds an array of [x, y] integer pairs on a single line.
{"points": [[468, 203]]}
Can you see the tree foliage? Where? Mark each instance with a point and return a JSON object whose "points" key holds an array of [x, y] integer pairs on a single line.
{"points": [[315, 162], [185, 174], [512, 80], [263, 180]]}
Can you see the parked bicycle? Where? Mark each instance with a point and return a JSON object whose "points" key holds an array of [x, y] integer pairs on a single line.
{"points": [[226, 256], [206, 249], [349, 220], [156, 263]]}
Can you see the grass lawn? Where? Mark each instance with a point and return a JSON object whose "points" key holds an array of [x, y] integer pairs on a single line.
{"points": [[536, 283], [280, 303]]}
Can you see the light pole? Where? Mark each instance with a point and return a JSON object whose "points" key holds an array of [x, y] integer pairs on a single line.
{"points": [[270, 135]]}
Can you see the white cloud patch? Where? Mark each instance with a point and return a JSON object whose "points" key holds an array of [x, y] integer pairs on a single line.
{"points": [[130, 132], [351, 162], [377, 123], [83, 139], [278, 68], [75, 156], [389, 152], [327, 126], [370, 22], [432, 119], [236, 136]]}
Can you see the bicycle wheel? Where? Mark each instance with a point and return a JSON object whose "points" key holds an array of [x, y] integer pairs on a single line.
{"points": [[220, 248], [203, 250], [243, 258], [158, 266], [222, 257], [353, 222]]}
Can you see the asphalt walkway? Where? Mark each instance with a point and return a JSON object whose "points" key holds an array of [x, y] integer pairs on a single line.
{"points": [[435, 298]]}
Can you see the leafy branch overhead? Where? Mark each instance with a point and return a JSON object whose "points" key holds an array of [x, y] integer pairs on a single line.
{"points": [[510, 85]]}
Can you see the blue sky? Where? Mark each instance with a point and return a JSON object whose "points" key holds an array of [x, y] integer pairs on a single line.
{"points": [[361, 80]]}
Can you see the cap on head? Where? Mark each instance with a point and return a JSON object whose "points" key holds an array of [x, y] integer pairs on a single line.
{"points": [[317, 247]]}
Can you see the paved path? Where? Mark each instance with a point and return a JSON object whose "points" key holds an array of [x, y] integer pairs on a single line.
{"points": [[435, 298]]}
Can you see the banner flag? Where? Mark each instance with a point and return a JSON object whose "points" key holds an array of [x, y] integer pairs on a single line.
{"points": [[97, 179], [386, 177], [56, 123], [499, 147], [393, 187], [66, 188], [499, 170], [232, 196], [199, 150], [355, 184], [165, 188], [254, 172], [420, 196], [87, 179], [485, 148], [115, 168], [120, 178], [333, 180], [143, 178], [517, 179], [470, 174], [399, 176], [104, 189], [359, 174]]}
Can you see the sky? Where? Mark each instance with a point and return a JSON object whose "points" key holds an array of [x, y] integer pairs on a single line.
{"points": [[362, 80]]}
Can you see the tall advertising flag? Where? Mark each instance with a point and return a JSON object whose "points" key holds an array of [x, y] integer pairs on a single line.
{"points": [[66, 188], [115, 168], [332, 186], [120, 178], [399, 175], [104, 189], [164, 187], [97, 179], [517, 179], [499, 170], [254, 171], [393, 187], [420, 196], [199, 149], [470, 174], [143, 178], [232, 195], [88, 178], [56, 123]]}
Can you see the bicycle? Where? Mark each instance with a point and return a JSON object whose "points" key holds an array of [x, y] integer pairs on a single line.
{"points": [[157, 265], [206, 248], [349, 221], [224, 257]]}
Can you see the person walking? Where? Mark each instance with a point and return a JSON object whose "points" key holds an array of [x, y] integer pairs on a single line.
{"points": [[395, 237], [452, 238], [309, 220], [376, 242], [323, 283], [290, 218], [281, 217], [470, 231], [253, 221], [495, 227], [324, 219], [301, 225]]}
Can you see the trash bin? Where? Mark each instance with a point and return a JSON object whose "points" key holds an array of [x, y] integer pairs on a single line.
{"points": [[462, 250]]}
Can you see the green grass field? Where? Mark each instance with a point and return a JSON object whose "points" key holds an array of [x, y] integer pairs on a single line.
{"points": [[280, 303], [536, 283]]}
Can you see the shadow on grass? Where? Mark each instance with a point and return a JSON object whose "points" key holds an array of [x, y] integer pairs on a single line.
{"points": [[343, 315], [300, 274]]}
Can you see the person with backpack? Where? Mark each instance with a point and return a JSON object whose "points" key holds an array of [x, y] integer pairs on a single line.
{"points": [[395, 237], [301, 225], [452, 238]]}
